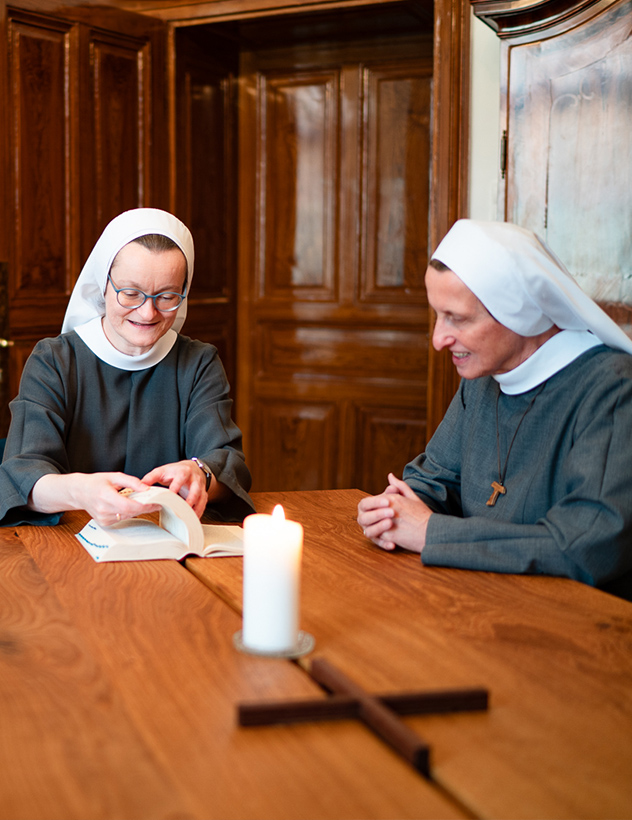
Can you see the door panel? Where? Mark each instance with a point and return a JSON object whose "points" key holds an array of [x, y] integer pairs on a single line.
{"points": [[298, 162], [396, 121], [120, 95], [303, 437]]}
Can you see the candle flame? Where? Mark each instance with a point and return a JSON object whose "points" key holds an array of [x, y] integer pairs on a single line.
{"points": [[278, 513]]}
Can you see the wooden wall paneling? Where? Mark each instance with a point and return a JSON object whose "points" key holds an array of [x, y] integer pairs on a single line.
{"points": [[44, 59], [185, 10], [86, 110], [291, 173]]}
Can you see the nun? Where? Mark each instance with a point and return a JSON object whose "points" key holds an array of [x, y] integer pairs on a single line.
{"points": [[121, 399], [529, 471]]}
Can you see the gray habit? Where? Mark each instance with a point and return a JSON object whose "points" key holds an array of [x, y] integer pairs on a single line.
{"points": [[75, 413], [568, 506]]}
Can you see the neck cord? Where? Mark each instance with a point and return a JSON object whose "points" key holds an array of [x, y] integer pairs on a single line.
{"points": [[499, 486]]}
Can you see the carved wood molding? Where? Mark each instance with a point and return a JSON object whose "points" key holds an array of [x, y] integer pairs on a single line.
{"points": [[513, 18]]}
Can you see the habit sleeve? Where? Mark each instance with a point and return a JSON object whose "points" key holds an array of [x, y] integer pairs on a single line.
{"points": [[568, 508]]}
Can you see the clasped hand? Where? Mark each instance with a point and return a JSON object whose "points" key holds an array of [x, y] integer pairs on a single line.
{"points": [[395, 518]]}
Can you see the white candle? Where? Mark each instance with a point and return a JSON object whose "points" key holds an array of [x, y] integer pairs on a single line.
{"points": [[272, 562]]}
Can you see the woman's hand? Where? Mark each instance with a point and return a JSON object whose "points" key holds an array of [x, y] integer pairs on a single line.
{"points": [[189, 481], [97, 493], [395, 518]]}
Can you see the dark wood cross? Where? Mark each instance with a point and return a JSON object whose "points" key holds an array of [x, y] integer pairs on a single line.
{"points": [[498, 490], [379, 712]]}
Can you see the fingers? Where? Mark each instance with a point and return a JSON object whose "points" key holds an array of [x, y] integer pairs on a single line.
{"points": [[184, 478], [383, 544], [122, 481], [111, 509], [397, 485], [373, 502]]}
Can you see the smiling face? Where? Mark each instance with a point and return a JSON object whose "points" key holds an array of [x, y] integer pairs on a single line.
{"points": [[480, 345], [136, 331]]}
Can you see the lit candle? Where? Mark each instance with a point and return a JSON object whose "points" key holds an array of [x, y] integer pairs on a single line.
{"points": [[272, 562]]}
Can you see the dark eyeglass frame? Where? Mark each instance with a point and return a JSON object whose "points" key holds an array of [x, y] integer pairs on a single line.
{"points": [[147, 296]]}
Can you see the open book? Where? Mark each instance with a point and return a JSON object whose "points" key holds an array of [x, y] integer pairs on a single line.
{"points": [[178, 533]]}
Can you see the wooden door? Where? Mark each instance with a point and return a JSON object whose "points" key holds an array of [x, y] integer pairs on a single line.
{"points": [[334, 168], [85, 104]]}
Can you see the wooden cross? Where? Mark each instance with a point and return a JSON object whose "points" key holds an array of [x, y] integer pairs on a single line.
{"points": [[498, 490], [379, 712]]}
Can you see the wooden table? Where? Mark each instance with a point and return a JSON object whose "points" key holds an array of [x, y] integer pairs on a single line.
{"points": [[556, 656], [119, 684]]}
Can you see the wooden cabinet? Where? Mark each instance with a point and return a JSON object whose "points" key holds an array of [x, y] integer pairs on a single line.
{"points": [[567, 120], [85, 120]]}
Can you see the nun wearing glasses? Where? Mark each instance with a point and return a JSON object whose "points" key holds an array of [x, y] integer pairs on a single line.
{"points": [[121, 400]]}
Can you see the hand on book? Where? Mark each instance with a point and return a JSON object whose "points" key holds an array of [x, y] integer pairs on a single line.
{"points": [[177, 533], [97, 493], [184, 478]]}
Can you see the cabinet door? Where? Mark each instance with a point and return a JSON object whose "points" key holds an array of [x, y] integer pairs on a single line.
{"points": [[567, 118], [85, 102]]}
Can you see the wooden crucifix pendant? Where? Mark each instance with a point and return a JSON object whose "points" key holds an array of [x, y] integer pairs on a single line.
{"points": [[498, 489]]}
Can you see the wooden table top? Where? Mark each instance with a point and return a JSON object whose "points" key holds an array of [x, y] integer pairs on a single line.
{"points": [[119, 685], [555, 655]]}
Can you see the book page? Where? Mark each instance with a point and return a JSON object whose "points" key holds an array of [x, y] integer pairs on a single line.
{"points": [[223, 539], [175, 516]]}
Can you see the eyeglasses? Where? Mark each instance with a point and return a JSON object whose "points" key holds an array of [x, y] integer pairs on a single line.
{"points": [[132, 298]]}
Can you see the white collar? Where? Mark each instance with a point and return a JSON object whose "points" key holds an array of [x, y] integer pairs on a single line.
{"points": [[94, 337], [551, 357]]}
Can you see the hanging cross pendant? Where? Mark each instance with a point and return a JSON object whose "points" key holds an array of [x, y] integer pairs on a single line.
{"points": [[498, 490]]}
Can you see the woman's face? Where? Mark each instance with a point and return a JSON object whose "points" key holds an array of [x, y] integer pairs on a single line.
{"points": [[136, 331], [480, 346]]}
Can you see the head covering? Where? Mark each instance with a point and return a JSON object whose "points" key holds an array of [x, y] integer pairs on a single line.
{"points": [[521, 282], [87, 301]]}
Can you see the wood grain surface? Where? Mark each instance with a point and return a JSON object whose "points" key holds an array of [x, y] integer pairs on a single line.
{"points": [[554, 654], [119, 686]]}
